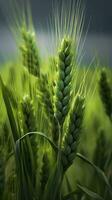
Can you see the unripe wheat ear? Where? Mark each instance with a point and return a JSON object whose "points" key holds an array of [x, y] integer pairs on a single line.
{"points": [[72, 136], [62, 95], [29, 53], [105, 93]]}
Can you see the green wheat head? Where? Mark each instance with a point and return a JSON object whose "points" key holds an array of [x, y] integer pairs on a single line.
{"points": [[30, 53], [105, 93], [64, 67], [44, 96], [45, 171], [72, 136], [100, 157], [29, 116]]}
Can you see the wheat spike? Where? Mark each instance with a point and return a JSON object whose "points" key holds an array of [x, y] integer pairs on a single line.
{"points": [[29, 123], [44, 171], [45, 96], [30, 53], [29, 117], [72, 136], [100, 154], [105, 93], [62, 95]]}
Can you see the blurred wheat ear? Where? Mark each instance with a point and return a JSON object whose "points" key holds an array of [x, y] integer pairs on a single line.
{"points": [[30, 53], [105, 93]]}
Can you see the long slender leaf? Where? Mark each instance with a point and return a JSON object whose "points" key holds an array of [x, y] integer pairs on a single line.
{"points": [[26, 191], [70, 195], [89, 192], [98, 170], [39, 134], [9, 110], [70, 192], [49, 195], [55, 178], [53, 187]]}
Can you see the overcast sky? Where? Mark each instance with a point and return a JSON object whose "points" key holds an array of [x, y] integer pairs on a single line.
{"points": [[100, 12], [99, 38]]}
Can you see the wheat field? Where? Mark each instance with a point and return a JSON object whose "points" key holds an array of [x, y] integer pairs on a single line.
{"points": [[56, 116]]}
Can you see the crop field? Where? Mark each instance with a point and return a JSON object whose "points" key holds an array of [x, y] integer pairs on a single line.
{"points": [[56, 117]]}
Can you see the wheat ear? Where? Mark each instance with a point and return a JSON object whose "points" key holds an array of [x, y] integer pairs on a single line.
{"points": [[45, 96], [62, 94], [29, 123], [72, 136], [29, 116], [105, 93], [30, 53], [100, 154], [44, 171]]}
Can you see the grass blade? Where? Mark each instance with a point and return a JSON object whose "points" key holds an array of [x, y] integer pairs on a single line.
{"points": [[9, 110], [89, 192], [98, 170], [39, 134]]}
